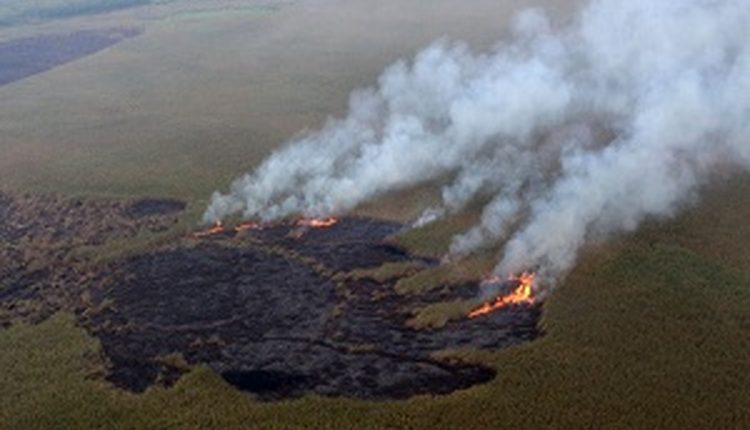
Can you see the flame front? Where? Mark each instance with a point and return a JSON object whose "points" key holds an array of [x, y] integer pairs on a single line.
{"points": [[247, 225], [218, 228], [523, 294], [317, 222]]}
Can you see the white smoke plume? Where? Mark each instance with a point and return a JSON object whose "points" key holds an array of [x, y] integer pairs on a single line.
{"points": [[667, 82]]}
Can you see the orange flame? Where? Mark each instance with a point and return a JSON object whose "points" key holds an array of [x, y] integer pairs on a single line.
{"points": [[218, 228], [247, 225], [523, 294], [317, 222]]}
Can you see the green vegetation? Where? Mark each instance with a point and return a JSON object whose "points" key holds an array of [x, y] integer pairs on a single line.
{"points": [[437, 315], [190, 105], [387, 271], [470, 269], [649, 331], [433, 240]]}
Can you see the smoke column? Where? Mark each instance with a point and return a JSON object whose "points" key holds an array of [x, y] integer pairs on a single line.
{"points": [[570, 134]]}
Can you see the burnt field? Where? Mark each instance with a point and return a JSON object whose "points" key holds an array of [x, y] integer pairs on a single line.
{"points": [[41, 236], [23, 57], [272, 311]]}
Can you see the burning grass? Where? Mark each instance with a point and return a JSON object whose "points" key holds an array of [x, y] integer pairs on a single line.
{"points": [[521, 293]]}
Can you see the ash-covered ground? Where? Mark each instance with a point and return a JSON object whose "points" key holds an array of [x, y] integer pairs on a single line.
{"points": [[270, 310]]}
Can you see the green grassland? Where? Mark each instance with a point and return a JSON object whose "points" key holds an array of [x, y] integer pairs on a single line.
{"points": [[189, 105], [649, 331]]}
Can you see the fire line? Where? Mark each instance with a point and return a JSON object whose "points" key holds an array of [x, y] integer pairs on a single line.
{"points": [[523, 294], [248, 225], [218, 228], [317, 222]]}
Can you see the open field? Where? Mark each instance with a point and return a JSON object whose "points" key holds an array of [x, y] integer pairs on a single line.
{"points": [[651, 329]]}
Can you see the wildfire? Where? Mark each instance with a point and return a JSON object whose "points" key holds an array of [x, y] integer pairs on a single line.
{"points": [[247, 225], [304, 223], [317, 222], [218, 228], [522, 294]]}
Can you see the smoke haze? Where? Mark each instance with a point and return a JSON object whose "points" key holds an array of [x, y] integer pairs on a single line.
{"points": [[570, 134]]}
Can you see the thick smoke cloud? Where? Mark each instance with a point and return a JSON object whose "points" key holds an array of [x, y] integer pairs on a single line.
{"points": [[569, 134]]}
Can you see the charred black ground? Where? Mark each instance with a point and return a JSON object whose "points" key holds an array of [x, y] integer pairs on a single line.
{"points": [[269, 310], [41, 267], [262, 308]]}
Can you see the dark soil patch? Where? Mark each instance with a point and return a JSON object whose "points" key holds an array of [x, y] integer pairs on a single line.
{"points": [[20, 58]]}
